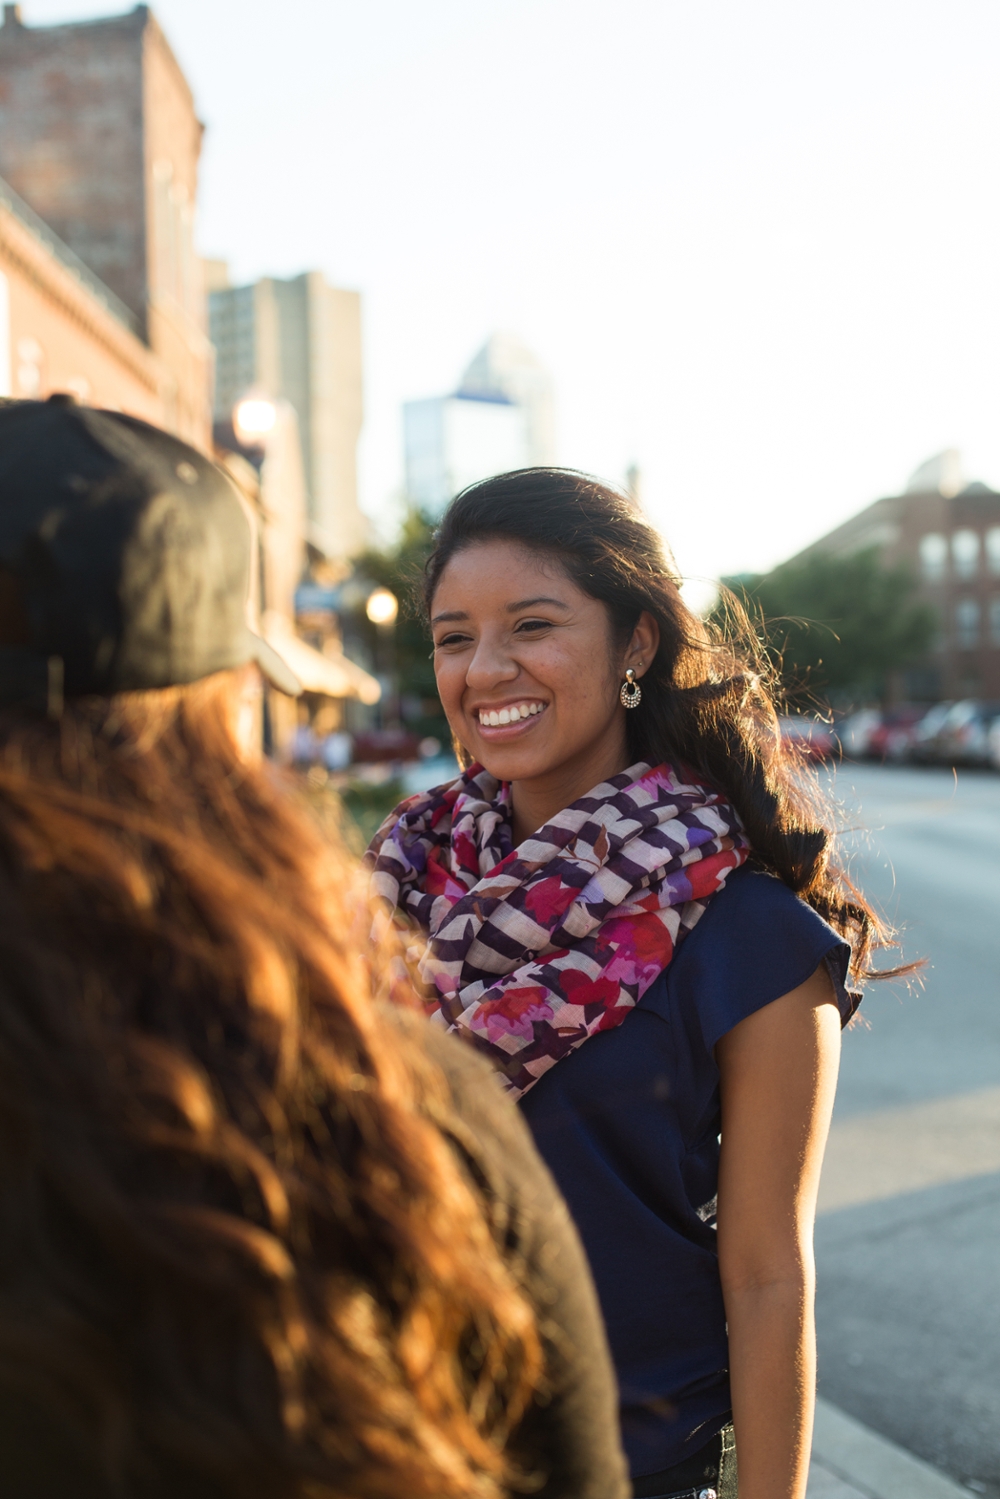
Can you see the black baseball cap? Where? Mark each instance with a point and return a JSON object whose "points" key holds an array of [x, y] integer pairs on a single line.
{"points": [[127, 554]]}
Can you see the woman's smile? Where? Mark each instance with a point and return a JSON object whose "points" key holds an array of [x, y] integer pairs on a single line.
{"points": [[503, 721]]}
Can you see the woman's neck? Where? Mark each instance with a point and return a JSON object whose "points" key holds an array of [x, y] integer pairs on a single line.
{"points": [[535, 801]]}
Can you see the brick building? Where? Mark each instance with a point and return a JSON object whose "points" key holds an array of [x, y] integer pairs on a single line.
{"points": [[99, 144], [948, 532], [61, 329]]}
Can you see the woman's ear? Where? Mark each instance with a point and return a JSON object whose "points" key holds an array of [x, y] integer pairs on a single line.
{"points": [[644, 644]]}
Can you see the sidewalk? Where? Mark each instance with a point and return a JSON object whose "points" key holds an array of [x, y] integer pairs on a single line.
{"points": [[850, 1461]]}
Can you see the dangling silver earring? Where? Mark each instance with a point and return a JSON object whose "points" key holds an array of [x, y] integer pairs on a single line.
{"points": [[631, 693]]}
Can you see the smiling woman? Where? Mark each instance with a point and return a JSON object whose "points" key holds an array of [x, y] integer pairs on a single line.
{"points": [[633, 883]]}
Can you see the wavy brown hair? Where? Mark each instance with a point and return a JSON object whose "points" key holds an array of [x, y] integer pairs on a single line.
{"points": [[239, 1255], [707, 697]]}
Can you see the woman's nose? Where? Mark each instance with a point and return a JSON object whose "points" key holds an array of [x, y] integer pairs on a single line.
{"points": [[490, 665]]}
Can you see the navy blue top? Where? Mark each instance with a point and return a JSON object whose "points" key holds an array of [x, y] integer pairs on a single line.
{"points": [[629, 1127]]}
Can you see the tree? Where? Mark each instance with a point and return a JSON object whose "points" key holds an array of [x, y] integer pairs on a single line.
{"points": [[399, 567], [836, 626]]}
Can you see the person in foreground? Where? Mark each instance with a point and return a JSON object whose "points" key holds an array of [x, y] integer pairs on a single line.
{"points": [[258, 1238], [627, 902]]}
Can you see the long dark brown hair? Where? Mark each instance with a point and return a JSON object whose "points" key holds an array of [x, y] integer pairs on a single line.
{"points": [[238, 1253], [707, 701]]}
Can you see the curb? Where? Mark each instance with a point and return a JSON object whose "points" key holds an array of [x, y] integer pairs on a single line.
{"points": [[870, 1464]]}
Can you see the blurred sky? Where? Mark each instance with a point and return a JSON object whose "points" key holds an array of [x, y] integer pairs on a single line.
{"points": [[758, 244]]}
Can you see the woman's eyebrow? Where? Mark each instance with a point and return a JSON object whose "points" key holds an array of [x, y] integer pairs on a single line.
{"points": [[529, 603], [451, 614]]}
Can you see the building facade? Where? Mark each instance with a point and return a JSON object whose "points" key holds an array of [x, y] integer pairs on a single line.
{"points": [[61, 329], [299, 340], [100, 140], [947, 531]]}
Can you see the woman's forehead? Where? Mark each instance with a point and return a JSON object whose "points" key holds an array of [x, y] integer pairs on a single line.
{"points": [[498, 565]]}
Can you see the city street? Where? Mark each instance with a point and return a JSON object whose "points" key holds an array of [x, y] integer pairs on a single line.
{"points": [[909, 1232]]}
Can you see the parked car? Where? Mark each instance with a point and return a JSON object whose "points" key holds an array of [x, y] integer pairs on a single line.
{"points": [[993, 743], [808, 738], [386, 747], [897, 731], [923, 746], [855, 733], [964, 735], [880, 733]]}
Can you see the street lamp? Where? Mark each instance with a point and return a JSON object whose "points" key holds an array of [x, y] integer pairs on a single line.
{"points": [[382, 609], [253, 419]]}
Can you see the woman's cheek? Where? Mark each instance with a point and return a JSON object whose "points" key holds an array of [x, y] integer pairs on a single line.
{"points": [[450, 686]]}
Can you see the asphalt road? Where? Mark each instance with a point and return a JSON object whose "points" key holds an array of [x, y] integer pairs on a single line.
{"points": [[908, 1239]]}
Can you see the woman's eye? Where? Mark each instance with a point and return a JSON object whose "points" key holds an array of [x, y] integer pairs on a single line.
{"points": [[450, 640], [529, 626]]}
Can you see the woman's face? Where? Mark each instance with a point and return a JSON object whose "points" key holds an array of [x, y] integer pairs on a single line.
{"points": [[527, 668]]}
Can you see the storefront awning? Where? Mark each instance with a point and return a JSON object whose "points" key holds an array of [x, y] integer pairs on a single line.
{"points": [[334, 675]]}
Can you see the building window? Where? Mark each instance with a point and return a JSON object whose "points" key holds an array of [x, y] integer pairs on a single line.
{"points": [[994, 621], [993, 550], [965, 553], [933, 556], [967, 624]]}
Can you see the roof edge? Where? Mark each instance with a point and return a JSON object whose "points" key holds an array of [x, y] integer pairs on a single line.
{"points": [[68, 258]]}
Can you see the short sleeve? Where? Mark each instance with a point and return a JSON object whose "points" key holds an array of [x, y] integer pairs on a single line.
{"points": [[756, 941]]}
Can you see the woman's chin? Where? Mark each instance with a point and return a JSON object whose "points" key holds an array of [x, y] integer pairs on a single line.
{"points": [[509, 762]]}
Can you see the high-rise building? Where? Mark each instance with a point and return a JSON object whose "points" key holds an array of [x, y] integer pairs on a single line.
{"points": [[100, 139], [499, 418], [300, 340], [452, 441], [504, 366]]}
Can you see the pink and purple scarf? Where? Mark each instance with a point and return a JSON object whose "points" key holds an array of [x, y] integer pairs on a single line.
{"points": [[533, 949]]}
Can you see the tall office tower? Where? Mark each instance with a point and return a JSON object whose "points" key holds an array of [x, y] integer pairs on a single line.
{"points": [[99, 137], [300, 341], [499, 418], [451, 441], [504, 366]]}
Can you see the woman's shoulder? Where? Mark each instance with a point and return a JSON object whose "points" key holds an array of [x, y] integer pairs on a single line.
{"points": [[487, 1129], [752, 894], [572, 1435], [756, 941]]}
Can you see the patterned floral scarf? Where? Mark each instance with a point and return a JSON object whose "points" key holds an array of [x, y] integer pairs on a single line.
{"points": [[534, 949]]}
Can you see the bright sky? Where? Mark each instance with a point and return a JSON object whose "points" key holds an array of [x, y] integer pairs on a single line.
{"points": [[757, 244]]}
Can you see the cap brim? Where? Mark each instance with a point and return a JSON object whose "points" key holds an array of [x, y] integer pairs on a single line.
{"points": [[275, 668]]}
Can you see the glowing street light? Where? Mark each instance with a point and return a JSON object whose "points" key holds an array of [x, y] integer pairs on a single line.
{"points": [[253, 419], [382, 607]]}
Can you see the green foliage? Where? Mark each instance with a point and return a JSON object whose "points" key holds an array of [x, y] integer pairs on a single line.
{"points": [[367, 807], [835, 626], [400, 568]]}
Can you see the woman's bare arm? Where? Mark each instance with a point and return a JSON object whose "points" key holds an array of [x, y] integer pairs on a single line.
{"points": [[779, 1075]]}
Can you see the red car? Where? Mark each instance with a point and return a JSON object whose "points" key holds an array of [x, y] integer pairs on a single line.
{"points": [[894, 735]]}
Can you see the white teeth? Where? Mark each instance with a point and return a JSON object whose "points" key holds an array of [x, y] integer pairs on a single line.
{"points": [[494, 717]]}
